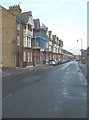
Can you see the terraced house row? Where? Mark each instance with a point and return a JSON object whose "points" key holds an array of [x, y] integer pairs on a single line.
{"points": [[25, 41]]}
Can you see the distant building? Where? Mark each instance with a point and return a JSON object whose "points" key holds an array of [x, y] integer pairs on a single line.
{"points": [[57, 47], [77, 57], [68, 55], [50, 45]]}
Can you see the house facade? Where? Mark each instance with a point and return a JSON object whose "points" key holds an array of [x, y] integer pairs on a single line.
{"points": [[60, 48], [57, 47], [17, 32], [68, 55], [8, 32], [28, 25], [39, 43], [16, 12], [50, 45], [0, 36], [24, 35], [26, 41]]}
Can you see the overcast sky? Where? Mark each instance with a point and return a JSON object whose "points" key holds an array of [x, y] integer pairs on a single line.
{"points": [[66, 18]]}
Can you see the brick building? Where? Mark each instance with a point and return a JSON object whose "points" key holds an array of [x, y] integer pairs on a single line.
{"points": [[8, 31], [57, 47], [17, 32], [25, 41], [50, 45], [24, 35], [0, 36], [16, 11], [39, 43], [28, 25]]}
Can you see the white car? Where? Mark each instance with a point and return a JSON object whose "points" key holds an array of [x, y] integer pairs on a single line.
{"points": [[53, 62]]}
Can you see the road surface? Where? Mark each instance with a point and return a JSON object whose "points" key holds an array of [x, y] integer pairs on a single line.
{"points": [[51, 92]]}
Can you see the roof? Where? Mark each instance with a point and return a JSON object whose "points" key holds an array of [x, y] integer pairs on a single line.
{"points": [[37, 23], [25, 17]]}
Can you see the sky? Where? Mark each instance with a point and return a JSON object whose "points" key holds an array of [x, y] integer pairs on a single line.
{"points": [[65, 18]]}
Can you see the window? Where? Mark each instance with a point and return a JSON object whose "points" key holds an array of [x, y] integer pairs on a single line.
{"points": [[28, 42], [24, 56], [28, 56], [25, 26], [31, 56], [25, 41], [18, 26], [18, 40], [29, 27]]}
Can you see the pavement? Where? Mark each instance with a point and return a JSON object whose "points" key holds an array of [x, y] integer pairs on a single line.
{"points": [[83, 68], [10, 71]]}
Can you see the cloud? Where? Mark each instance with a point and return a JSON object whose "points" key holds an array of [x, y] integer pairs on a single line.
{"points": [[63, 17], [82, 3]]}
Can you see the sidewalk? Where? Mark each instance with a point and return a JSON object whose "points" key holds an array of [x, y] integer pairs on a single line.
{"points": [[83, 67], [13, 71]]}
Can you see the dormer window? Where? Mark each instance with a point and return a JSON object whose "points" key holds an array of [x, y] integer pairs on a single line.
{"points": [[29, 27]]}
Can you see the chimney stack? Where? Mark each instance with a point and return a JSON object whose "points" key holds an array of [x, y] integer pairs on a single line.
{"points": [[15, 10]]}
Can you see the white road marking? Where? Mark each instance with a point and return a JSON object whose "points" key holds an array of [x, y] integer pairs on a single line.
{"points": [[82, 78], [67, 72], [9, 95], [5, 75]]}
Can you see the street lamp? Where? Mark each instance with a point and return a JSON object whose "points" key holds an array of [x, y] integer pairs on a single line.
{"points": [[81, 46]]}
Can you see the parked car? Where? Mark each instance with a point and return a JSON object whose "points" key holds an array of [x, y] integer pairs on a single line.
{"points": [[59, 61], [64, 60], [53, 62]]}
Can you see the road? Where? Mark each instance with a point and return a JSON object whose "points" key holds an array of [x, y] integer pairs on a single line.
{"points": [[50, 92]]}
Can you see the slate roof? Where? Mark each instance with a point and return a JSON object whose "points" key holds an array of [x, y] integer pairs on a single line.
{"points": [[25, 17], [36, 23]]}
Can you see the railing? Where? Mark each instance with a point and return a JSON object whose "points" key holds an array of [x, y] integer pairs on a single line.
{"points": [[50, 43], [41, 35], [60, 51]]}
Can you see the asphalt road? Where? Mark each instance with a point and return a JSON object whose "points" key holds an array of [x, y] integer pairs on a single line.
{"points": [[50, 92]]}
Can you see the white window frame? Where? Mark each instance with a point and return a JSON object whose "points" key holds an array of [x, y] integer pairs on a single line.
{"points": [[25, 41], [29, 41], [24, 56], [31, 56], [18, 40], [28, 56]]}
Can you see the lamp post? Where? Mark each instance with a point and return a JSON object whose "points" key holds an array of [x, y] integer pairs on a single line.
{"points": [[81, 47]]}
